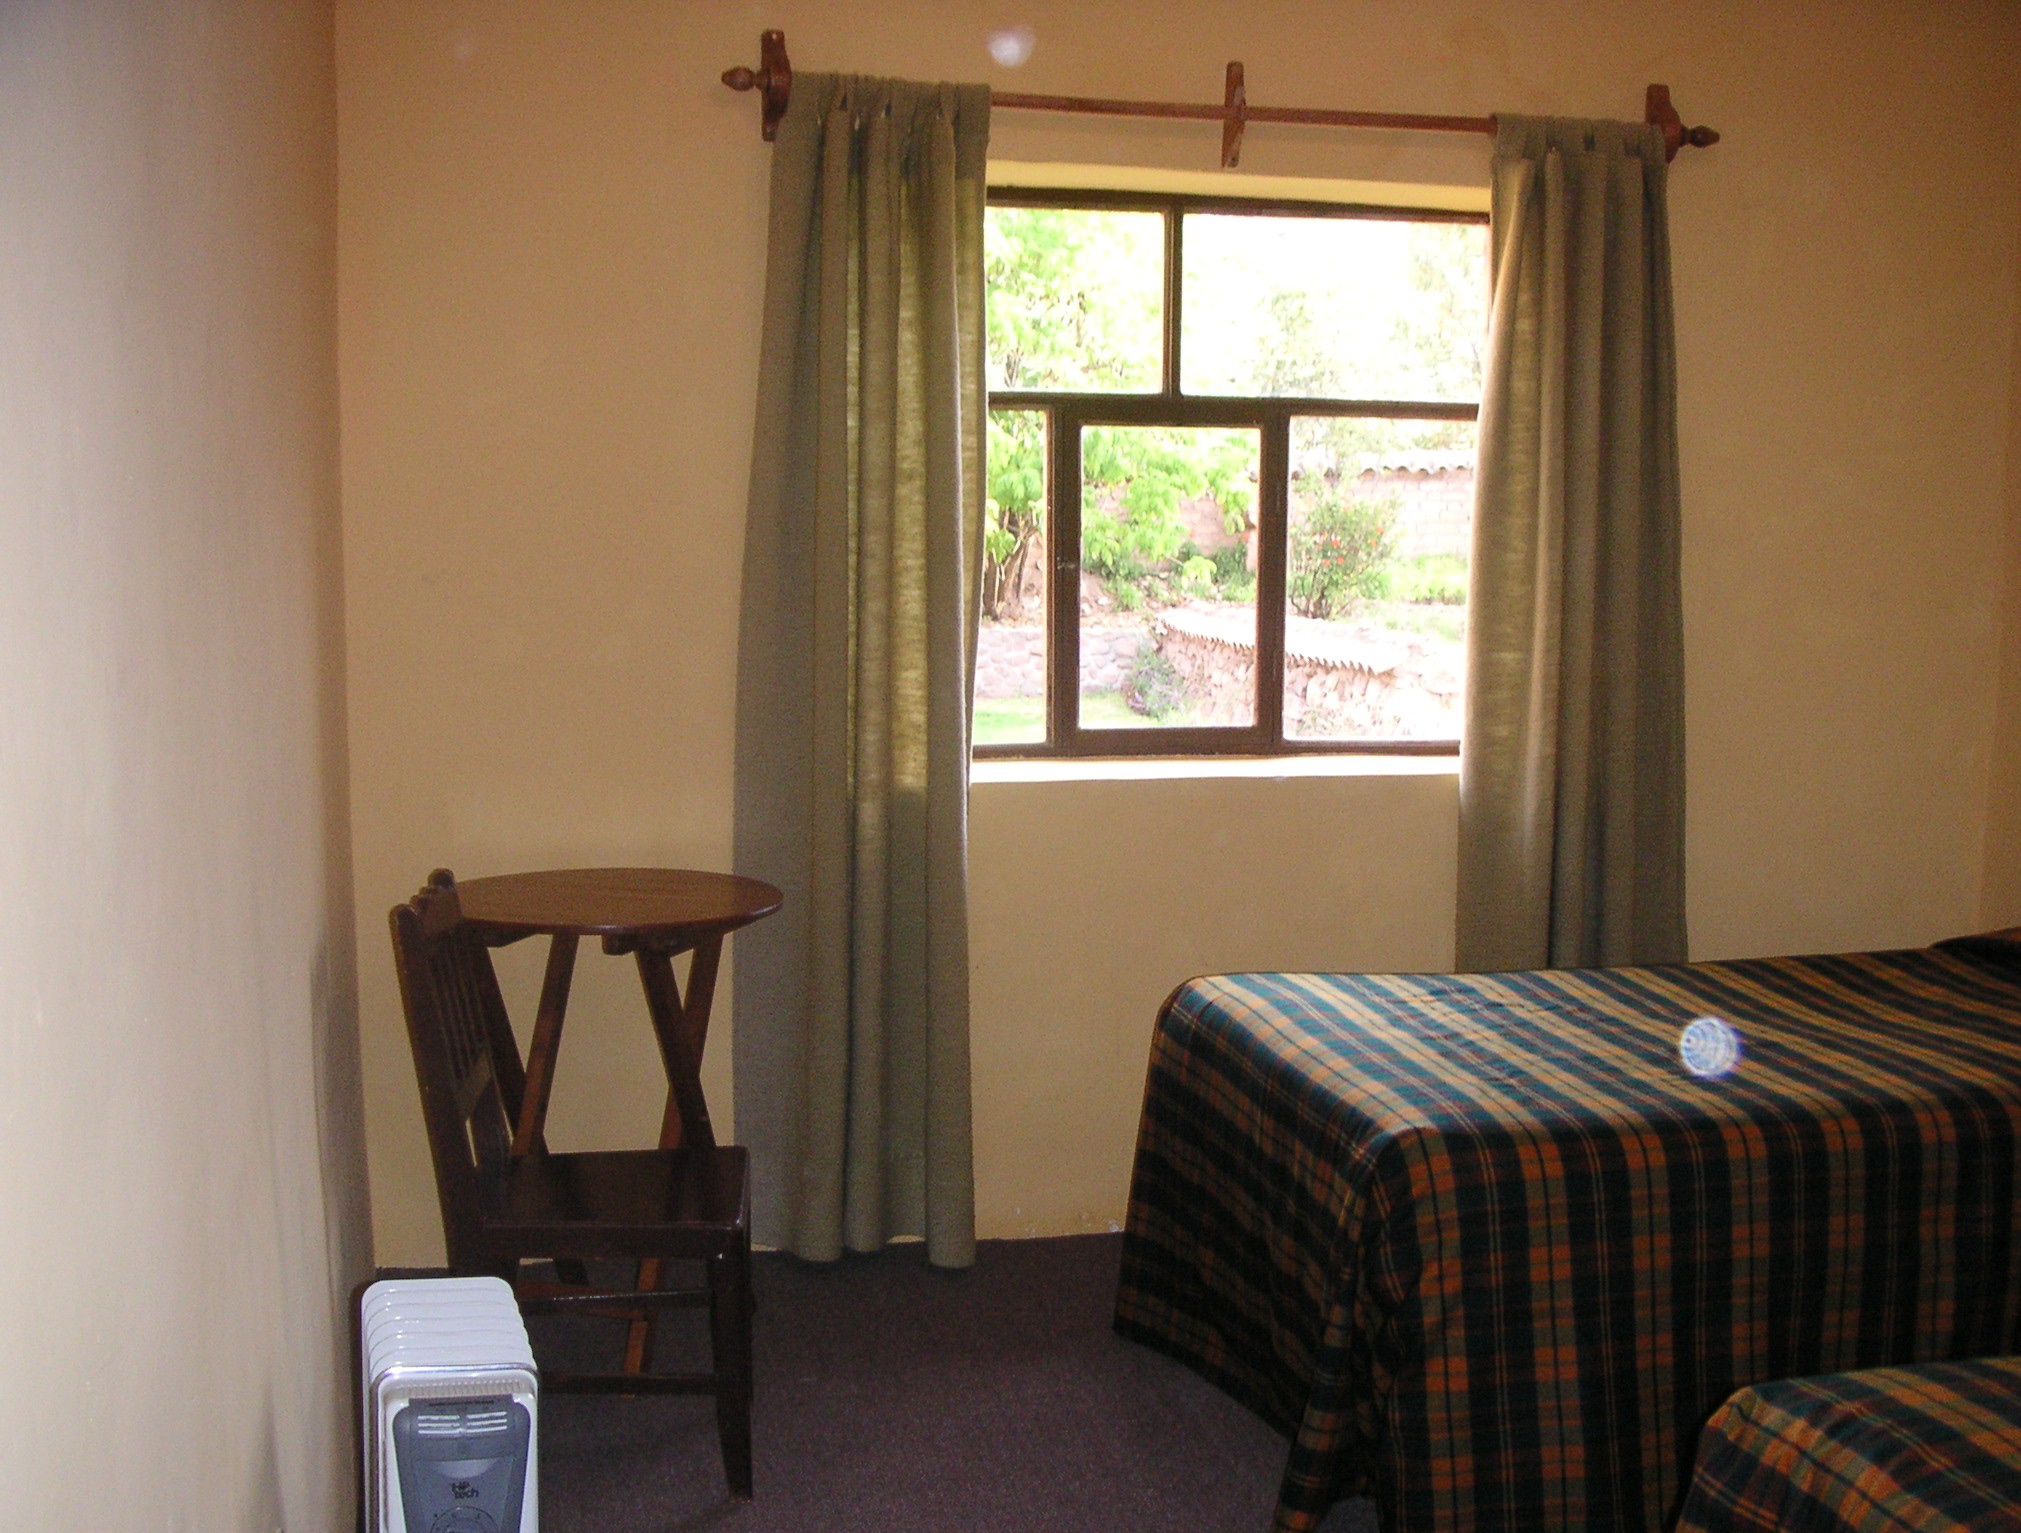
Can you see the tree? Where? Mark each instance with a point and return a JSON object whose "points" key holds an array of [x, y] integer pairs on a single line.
{"points": [[1014, 516], [1074, 303], [1074, 298], [1068, 309], [1134, 480], [1279, 308]]}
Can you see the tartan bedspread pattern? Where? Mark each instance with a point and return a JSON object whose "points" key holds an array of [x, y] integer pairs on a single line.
{"points": [[1483, 1248], [1930, 1448]]}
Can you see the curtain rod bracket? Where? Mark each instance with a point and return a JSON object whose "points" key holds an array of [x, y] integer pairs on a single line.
{"points": [[1235, 102], [772, 79]]}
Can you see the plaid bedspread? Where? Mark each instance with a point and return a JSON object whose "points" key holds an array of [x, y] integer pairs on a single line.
{"points": [[1485, 1248], [1933, 1448]]}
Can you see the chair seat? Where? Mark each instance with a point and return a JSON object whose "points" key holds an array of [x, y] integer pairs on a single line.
{"points": [[620, 1203]]}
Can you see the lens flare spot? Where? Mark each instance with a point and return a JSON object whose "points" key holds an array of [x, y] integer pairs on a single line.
{"points": [[1012, 46], [1709, 1048]]}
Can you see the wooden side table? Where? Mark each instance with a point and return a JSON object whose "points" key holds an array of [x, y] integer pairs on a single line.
{"points": [[655, 914]]}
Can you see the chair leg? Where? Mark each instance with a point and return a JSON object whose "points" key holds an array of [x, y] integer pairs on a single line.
{"points": [[730, 1330], [748, 1289]]}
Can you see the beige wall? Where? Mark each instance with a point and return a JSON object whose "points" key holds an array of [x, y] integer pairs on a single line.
{"points": [[551, 242], [180, 1115], [1092, 900], [2000, 903]]}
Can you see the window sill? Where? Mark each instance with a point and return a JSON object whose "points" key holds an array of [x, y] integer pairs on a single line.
{"points": [[1120, 769]]}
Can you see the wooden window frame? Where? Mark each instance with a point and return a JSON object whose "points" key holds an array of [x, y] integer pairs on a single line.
{"points": [[1067, 413]]}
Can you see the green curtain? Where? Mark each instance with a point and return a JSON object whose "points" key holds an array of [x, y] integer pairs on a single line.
{"points": [[1572, 770], [862, 574]]}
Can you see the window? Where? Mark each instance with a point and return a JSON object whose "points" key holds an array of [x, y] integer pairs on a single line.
{"points": [[1231, 459]]}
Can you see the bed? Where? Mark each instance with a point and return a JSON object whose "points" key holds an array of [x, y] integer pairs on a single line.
{"points": [[1492, 1248], [1933, 1448]]}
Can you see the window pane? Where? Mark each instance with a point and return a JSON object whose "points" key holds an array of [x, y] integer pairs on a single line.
{"points": [[1010, 657], [1339, 308], [1076, 299], [1168, 576], [1381, 527]]}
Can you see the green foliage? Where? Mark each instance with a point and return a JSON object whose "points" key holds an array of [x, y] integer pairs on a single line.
{"points": [[1195, 575], [1340, 550], [1154, 686], [1438, 579], [1074, 303], [1128, 596], [1234, 580], [1014, 514], [1135, 479], [1074, 298]]}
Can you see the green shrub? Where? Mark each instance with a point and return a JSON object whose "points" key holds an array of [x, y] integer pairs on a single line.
{"points": [[1340, 552], [1123, 595], [1154, 686], [1195, 576], [1234, 580]]}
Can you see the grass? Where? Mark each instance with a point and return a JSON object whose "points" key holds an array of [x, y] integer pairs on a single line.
{"points": [[1022, 720], [1429, 578], [1424, 619]]}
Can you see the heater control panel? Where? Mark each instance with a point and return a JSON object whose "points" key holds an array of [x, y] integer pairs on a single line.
{"points": [[462, 1464]]}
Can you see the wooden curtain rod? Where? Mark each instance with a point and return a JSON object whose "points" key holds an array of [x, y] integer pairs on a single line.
{"points": [[773, 80]]}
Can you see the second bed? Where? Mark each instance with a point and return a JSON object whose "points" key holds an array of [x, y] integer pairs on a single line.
{"points": [[1491, 1248]]}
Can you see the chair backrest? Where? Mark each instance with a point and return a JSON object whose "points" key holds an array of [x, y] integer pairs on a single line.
{"points": [[445, 976]]}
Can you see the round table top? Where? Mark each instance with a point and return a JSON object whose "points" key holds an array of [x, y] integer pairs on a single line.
{"points": [[658, 903]]}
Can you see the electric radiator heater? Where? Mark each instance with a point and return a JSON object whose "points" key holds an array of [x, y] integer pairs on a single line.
{"points": [[452, 1409]]}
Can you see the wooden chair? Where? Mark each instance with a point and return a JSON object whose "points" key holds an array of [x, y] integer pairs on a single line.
{"points": [[499, 1209]]}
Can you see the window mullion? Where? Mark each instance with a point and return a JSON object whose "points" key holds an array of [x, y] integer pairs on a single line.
{"points": [[1272, 520], [1063, 587], [1175, 256]]}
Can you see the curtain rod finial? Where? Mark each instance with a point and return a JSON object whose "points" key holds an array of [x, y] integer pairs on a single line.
{"points": [[1659, 112], [772, 79]]}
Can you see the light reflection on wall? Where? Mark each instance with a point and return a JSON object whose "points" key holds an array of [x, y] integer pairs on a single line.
{"points": [[1012, 46]]}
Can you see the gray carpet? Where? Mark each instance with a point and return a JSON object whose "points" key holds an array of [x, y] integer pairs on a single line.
{"points": [[893, 1397]]}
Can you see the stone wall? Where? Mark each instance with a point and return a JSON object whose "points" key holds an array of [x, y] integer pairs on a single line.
{"points": [[1338, 684], [1109, 651], [1010, 658]]}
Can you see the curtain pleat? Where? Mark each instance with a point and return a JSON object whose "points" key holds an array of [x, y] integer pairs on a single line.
{"points": [[861, 587], [1572, 766]]}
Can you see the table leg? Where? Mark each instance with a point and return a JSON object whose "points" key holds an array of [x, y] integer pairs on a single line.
{"points": [[545, 1044], [506, 1066], [529, 1113], [681, 1030]]}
